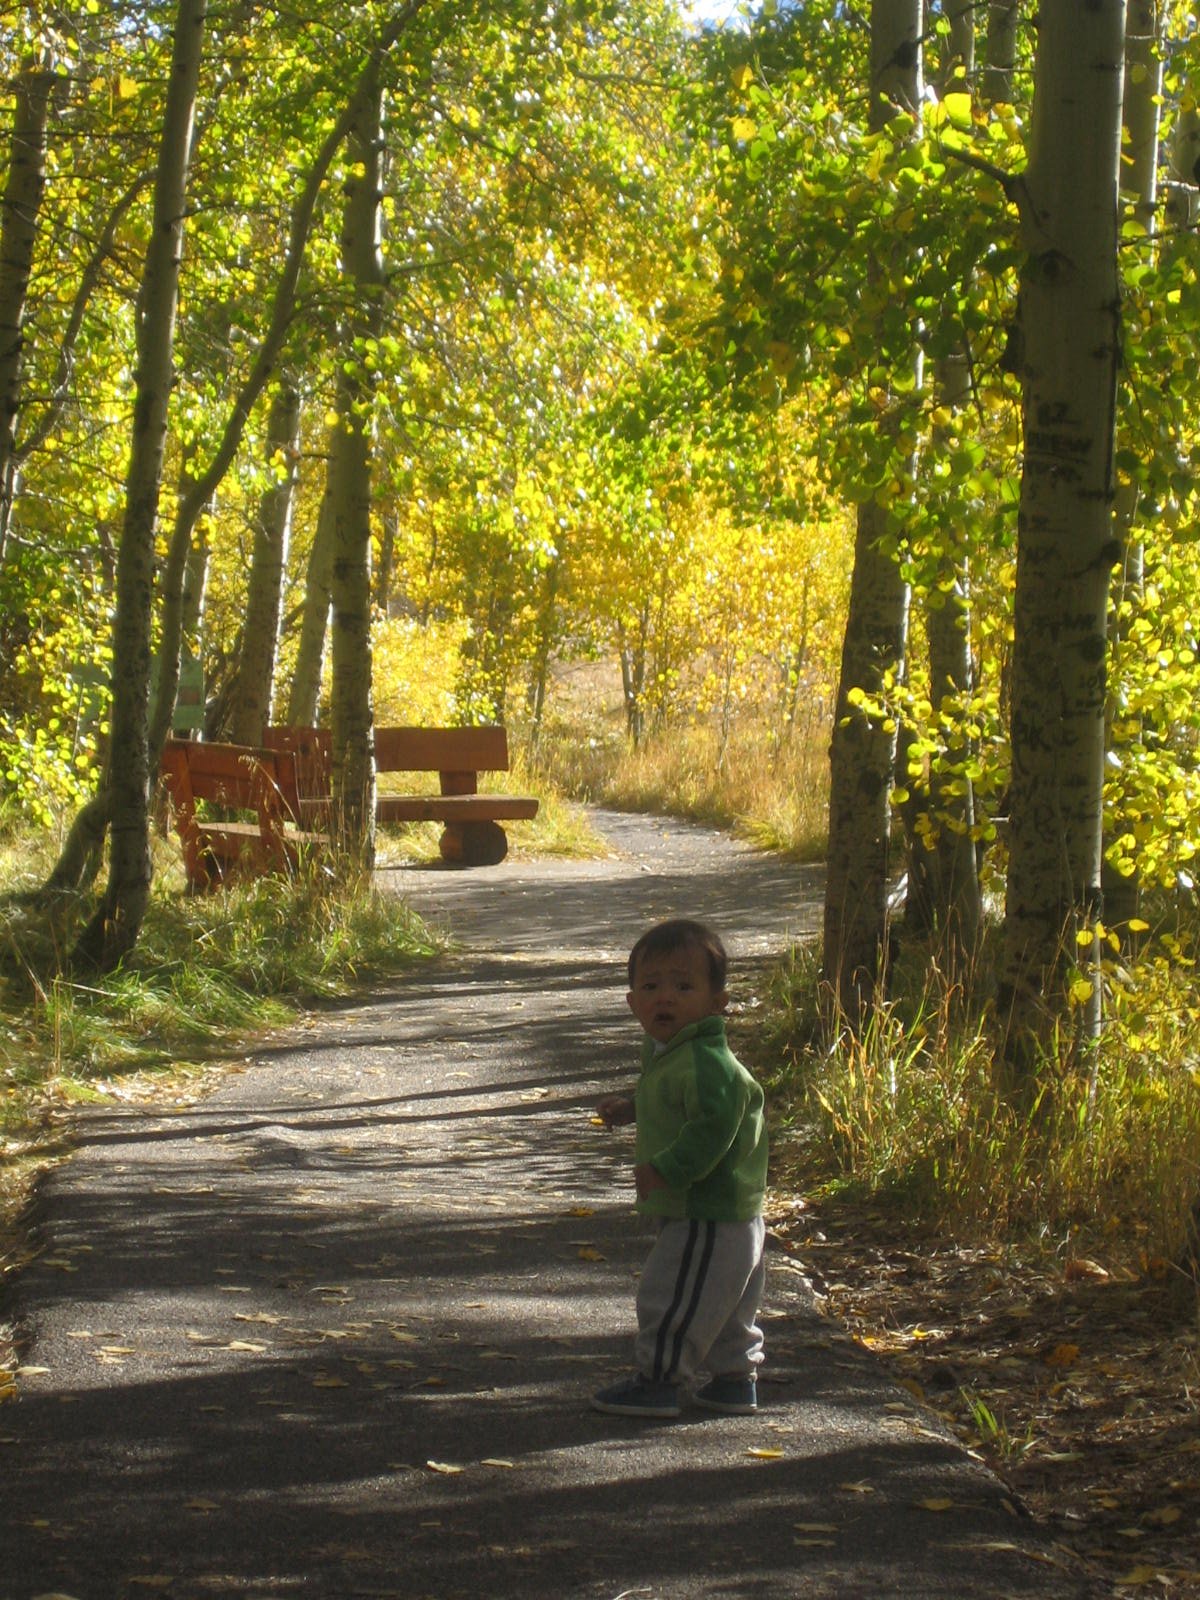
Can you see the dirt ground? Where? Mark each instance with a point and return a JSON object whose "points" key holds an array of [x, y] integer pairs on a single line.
{"points": [[1078, 1386]]}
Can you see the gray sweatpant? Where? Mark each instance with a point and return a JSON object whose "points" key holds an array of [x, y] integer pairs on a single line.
{"points": [[698, 1300]]}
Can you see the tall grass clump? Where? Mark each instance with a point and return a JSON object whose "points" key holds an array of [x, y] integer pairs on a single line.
{"points": [[1103, 1155], [768, 786]]}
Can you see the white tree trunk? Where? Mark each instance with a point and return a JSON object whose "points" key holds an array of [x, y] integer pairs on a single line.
{"points": [[19, 211], [250, 707], [863, 749], [349, 493], [1069, 342], [115, 928]]}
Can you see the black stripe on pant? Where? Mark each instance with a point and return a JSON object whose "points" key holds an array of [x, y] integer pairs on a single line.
{"points": [[704, 1234]]}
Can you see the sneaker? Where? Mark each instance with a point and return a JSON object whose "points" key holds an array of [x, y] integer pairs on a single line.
{"points": [[737, 1397], [638, 1397]]}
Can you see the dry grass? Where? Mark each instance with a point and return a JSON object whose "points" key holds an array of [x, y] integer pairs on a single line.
{"points": [[766, 782]]}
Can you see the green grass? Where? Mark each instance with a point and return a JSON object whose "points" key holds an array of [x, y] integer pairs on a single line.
{"points": [[209, 971], [1104, 1161]]}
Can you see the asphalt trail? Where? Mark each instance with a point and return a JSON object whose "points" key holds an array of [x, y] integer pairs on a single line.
{"points": [[330, 1332]]}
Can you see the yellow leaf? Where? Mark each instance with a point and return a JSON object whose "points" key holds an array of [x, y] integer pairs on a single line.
{"points": [[1063, 1355], [497, 1461], [743, 128], [1081, 990], [445, 1467], [765, 1455], [936, 1504], [588, 1254], [958, 108], [330, 1383], [1164, 1516], [1138, 1576], [581, 1211], [741, 76]]}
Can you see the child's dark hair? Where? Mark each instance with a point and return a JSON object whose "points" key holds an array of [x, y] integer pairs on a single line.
{"points": [[681, 933]]}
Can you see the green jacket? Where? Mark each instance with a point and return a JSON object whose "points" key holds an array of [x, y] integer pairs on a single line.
{"points": [[700, 1124]]}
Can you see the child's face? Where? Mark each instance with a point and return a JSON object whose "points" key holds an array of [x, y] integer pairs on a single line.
{"points": [[672, 990]]}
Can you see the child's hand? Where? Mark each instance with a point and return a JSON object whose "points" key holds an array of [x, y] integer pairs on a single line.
{"points": [[647, 1179], [615, 1110]]}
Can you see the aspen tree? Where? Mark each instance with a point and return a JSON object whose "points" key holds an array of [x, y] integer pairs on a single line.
{"points": [[113, 930], [251, 698], [1069, 333], [349, 489], [863, 751]]}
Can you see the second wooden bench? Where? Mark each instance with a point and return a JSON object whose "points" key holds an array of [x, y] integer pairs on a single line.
{"points": [[471, 834], [207, 782]]}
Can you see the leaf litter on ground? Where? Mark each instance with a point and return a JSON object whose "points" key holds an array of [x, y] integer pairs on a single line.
{"points": [[1078, 1385]]}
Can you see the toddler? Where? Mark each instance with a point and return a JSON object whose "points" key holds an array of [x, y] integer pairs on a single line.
{"points": [[700, 1169]]}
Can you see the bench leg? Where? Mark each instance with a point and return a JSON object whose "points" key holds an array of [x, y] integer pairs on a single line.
{"points": [[474, 844]]}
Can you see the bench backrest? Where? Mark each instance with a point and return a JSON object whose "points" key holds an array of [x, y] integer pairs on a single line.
{"points": [[450, 751], [309, 749], [241, 777]]}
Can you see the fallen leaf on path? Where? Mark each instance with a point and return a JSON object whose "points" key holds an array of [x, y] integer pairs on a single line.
{"points": [[446, 1467], [330, 1383], [857, 1488], [581, 1211], [1164, 1516], [496, 1461], [1062, 1355], [588, 1254], [1082, 1270], [936, 1504], [1139, 1575], [761, 1454]]}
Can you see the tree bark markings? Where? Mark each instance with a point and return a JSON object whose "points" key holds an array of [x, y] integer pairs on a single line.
{"points": [[1069, 314]]}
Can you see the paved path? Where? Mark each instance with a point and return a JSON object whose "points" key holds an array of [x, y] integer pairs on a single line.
{"points": [[330, 1333]]}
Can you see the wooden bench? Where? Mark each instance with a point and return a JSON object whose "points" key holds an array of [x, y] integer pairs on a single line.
{"points": [[471, 834], [236, 778]]}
